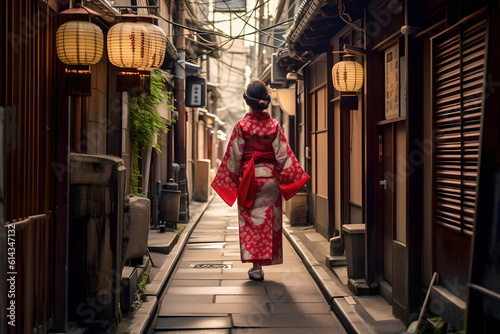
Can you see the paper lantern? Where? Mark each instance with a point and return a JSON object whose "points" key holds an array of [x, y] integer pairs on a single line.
{"points": [[156, 45], [79, 43], [127, 45], [136, 45], [347, 75]]}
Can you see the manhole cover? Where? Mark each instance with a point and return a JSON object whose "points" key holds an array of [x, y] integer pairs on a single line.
{"points": [[211, 266]]}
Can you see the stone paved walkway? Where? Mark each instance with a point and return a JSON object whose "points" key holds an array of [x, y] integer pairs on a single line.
{"points": [[223, 300]]}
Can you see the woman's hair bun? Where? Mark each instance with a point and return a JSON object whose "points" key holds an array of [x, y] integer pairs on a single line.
{"points": [[257, 96]]}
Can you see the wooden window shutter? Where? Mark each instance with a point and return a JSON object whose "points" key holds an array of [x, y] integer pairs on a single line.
{"points": [[458, 71]]}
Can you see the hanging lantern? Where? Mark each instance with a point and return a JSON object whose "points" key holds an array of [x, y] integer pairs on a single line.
{"points": [[156, 46], [136, 46], [347, 75], [347, 78], [79, 43], [128, 45]]}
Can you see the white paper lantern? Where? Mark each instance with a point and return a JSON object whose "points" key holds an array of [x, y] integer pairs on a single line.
{"points": [[347, 75], [79, 43], [156, 47], [127, 45], [136, 45]]}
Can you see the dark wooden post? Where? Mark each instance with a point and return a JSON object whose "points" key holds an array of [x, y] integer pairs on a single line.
{"points": [[414, 180], [180, 98]]}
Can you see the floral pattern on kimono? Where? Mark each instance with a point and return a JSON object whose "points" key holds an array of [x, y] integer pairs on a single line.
{"points": [[260, 226]]}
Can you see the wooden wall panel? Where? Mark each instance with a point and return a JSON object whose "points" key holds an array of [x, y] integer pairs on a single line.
{"points": [[27, 95]]}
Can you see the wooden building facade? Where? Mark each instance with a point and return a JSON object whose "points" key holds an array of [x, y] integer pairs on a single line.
{"points": [[405, 162]]}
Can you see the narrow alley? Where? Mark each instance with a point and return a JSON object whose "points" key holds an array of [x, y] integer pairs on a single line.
{"points": [[360, 135], [210, 288]]}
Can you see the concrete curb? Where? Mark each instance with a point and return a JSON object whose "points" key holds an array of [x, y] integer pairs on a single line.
{"points": [[143, 319], [330, 289]]}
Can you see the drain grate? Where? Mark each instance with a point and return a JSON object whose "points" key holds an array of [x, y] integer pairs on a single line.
{"points": [[211, 266]]}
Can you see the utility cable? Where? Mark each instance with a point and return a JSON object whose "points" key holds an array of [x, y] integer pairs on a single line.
{"points": [[211, 32], [279, 40], [201, 31], [347, 18], [229, 40]]}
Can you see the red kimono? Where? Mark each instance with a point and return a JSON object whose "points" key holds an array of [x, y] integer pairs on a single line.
{"points": [[258, 168]]}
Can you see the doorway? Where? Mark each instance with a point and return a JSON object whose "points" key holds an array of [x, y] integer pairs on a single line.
{"points": [[392, 189]]}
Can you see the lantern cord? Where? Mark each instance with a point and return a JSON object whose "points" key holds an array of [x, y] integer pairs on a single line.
{"points": [[347, 18]]}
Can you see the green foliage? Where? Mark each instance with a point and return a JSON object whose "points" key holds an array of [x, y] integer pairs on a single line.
{"points": [[146, 124], [180, 227], [437, 325]]}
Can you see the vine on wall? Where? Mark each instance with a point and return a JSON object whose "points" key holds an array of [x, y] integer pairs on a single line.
{"points": [[146, 123]]}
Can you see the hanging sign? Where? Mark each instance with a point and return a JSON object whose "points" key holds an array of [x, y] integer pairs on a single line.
{"points": [[196, 89]]}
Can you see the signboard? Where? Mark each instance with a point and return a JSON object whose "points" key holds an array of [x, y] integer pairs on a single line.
{"points": [[392, 82], [196, 91], [402, 84], [226, 6]]}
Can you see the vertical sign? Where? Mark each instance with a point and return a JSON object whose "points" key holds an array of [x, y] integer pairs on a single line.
{"points": [[196, 94], [402, 80], [392, 82], [196, 88]]}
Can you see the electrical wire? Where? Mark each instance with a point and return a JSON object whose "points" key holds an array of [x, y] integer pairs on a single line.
{"points": [[223, 34], [278, 24], [202, 31], [238, 16], [231, 38], [347, 18], [208, 20], [229, 74]]}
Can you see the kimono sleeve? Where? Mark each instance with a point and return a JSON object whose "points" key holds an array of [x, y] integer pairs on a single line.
{"points": [[226, 181], [291, 177]]}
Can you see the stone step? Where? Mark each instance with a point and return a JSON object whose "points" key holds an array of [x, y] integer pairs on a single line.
{"points": [[162, 242], [130, 276], [129, 281], [335, 261]]}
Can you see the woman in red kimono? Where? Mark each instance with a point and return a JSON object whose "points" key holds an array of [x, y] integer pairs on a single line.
{"points": [[258, 168]]}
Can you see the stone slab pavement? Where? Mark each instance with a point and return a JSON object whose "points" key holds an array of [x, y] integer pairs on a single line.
{"points": [[210, 292]]}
